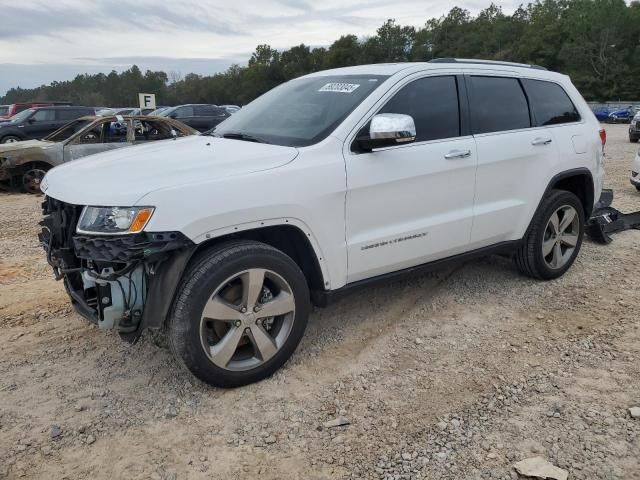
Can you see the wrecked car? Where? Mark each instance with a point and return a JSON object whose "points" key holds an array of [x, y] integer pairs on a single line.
{"points": [[24, 164]]}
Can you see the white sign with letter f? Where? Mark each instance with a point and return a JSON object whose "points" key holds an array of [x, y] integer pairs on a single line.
{"points": [[147, 100]]}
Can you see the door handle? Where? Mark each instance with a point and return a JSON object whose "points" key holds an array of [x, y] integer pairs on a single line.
{"points": [[457, 154], [541, 141]]}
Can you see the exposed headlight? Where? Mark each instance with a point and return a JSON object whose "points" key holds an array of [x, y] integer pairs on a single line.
{"points": [[113, 220]]}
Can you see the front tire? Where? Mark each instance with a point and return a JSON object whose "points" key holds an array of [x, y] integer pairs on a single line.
{"points": [[10, 139], [554, 238], [239, 314], [32, 179]]}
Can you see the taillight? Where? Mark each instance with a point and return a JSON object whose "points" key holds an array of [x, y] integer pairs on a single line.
{"points": [[603, 137]]}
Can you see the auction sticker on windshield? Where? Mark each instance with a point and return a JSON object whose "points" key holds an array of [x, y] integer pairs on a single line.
{"points": [[339, 87]]}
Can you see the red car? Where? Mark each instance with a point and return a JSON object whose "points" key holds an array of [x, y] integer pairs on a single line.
{"points": [[8, 111]]}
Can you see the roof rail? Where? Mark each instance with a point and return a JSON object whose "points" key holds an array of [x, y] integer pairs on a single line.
{"points": [[485, 62]]}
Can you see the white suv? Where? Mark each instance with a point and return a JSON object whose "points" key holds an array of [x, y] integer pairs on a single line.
{"points": [[322, 184]]}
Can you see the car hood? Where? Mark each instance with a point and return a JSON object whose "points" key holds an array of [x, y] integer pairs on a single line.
{"points": [[122, 177], [18, 147]]}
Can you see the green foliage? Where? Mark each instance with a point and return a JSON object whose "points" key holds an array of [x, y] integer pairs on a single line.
{"points": [[596, 42]]}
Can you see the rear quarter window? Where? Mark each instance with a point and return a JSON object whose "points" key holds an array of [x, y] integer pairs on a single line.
{"points": [[550, 103], [498, 104]]}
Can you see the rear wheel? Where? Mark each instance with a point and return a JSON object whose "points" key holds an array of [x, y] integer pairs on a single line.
{"points": [[633, 140], [555, 237], [10, 139], [239, 314]]}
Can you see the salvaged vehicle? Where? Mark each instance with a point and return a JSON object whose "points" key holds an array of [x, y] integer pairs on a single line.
{"points": [[322, 185], [8, 111], [24, 164], [37, 123]]}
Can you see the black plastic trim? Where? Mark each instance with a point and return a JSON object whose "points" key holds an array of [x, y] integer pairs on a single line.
{"points": [[322, 299]]}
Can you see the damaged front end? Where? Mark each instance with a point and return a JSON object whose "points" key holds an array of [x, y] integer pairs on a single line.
{"points": [[111, 278]]}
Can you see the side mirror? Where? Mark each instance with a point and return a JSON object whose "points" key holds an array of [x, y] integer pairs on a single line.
{"points": [[173, 115], [31, 121], [387, 130]]}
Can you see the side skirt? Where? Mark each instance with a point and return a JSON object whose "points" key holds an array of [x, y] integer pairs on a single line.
{"points": [[324, 298]]}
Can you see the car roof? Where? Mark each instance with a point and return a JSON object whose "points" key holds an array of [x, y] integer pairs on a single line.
{"points": [[61, 107], [389, 69]]}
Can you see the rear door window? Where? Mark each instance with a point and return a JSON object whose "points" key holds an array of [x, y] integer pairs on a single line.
{"points": [[498, 104], [550, 103], [184, 112], [68, 114], [204, 110], [433, 104]]}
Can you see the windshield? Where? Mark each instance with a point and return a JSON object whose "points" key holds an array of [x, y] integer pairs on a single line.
{"points": [[4, 109], [300, 112], [22, 116]]}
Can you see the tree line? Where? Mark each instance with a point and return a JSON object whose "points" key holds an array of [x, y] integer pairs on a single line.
{"points": [[596, 42]]}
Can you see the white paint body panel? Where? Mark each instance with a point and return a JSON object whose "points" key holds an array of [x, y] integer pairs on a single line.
{"points": [[206, 187]]}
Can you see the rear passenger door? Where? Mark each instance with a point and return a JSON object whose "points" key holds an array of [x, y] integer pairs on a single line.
{"points": [[411, 204], [514, 157]]}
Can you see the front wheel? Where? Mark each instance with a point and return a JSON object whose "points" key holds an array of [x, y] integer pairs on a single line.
{"points": [[554, 238], [239, 314], [10, 139], [32, 179]]}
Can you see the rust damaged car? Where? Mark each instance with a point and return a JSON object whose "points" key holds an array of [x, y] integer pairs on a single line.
{"points": [[24, 164]]}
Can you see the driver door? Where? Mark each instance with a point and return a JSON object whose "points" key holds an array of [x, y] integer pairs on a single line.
{"points": [[411, 204], [101, 138]]}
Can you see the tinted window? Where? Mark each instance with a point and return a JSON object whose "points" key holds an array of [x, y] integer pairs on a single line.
{"points": [[43, 116], [204, 110], [433, 104], [183, 112], [549, 102], [70, 113], [498, 104]]}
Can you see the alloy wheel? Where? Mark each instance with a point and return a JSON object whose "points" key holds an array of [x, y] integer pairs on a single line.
{"points": [[561, 237], [247, 319]]}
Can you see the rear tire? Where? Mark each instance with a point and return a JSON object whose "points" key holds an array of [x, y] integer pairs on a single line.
{"points": [[554, 237], [633, 140], [239, 314]]}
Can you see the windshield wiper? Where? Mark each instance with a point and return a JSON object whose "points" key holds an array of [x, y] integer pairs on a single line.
{"points": [[243, 136]]}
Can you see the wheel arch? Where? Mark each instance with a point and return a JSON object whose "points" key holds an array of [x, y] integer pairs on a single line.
{"points": [[578, 181], [286, 237]]}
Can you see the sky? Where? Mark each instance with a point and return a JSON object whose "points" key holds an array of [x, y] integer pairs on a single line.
{"points": [[43, 40]]}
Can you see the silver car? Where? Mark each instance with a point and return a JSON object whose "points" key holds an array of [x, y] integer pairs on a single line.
{"points": [[24, 164]]}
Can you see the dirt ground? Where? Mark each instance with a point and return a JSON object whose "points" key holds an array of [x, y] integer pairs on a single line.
{"points": [[454, 375]]}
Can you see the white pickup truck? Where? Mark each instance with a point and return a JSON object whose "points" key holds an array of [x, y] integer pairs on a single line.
{"points": [[326, 182]]}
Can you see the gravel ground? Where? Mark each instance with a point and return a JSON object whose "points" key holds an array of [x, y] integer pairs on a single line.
{"points": [[454, 375]]}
